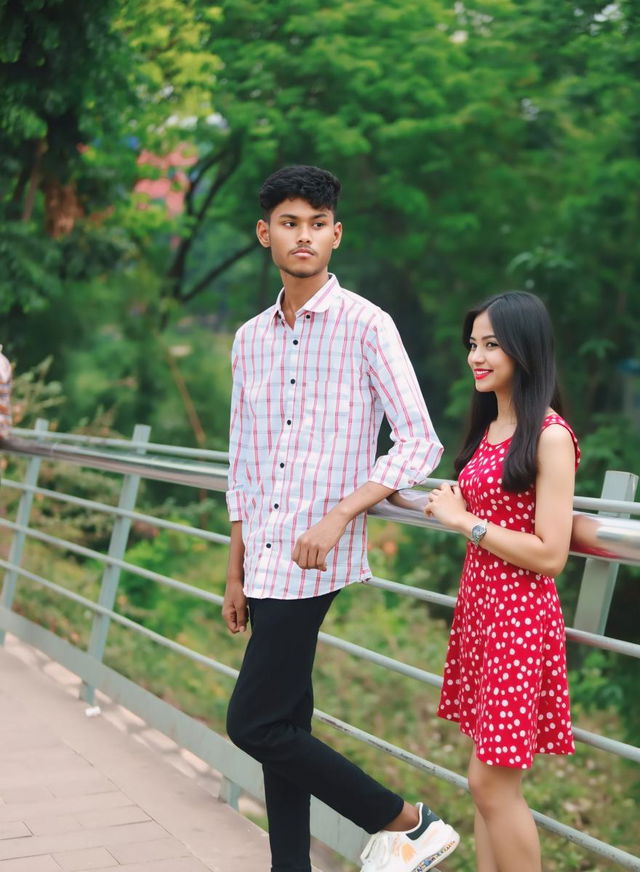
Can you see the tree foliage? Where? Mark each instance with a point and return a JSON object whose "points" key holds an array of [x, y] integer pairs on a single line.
{"points": [[481, 146]]}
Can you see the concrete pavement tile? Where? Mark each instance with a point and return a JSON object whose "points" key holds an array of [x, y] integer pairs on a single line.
{"points": [[82, 861], [93, 782], [52, 806], [54, 756], [14, 830], [185, 864], [25, 795], [54, 844], [22, 737], [39, 771], [142, 852], [52, 824], [14, 715], [130, 814], [30, 864]]}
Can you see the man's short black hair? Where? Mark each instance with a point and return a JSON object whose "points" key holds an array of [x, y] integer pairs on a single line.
{"points": [[318, 187]]}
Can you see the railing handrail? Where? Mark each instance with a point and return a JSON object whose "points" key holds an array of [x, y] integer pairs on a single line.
{"points": [[18, 446], [108, 442], [600, 536]]}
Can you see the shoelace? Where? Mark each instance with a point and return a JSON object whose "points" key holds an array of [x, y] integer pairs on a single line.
{"points": [[377, 852]]}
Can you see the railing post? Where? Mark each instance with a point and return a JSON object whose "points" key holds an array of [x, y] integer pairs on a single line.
{"points": [[229, 792], [22, 517], [599, 576], [111, 575]]}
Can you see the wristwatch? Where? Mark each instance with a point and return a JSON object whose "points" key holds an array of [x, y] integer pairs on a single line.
{"points": [[477, 532]]}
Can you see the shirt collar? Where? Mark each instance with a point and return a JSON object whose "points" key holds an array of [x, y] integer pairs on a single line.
{"points": [[323, 299]]}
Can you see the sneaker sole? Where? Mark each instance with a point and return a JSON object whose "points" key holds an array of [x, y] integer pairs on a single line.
{"points": [[434, 859]]}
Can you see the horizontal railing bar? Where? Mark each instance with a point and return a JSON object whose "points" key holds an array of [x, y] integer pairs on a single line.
{"points": [[599, 536], [596, 846], [218, 538], [166, 580], [619, 646], [619, 749], [59, 589], [157, 447], [606, 643], [603, 743], [381, 660], [124, 621], [418, 495], [427, 596], [583, 840], [414, 497], [393, 750], [191, 474], [597, 504], [622, 543]]}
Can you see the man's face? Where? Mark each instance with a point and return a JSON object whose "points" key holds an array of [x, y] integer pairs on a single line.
{"points": [[301, 237]]}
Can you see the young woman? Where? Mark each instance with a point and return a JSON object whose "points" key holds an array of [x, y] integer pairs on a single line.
{"points": [[505, 677]]}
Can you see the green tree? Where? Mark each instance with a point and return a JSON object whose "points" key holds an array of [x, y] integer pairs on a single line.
{"points": [[60, 86]]}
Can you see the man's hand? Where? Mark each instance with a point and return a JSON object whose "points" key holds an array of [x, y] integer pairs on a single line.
{"points": [[312, 547], [234, 607]]}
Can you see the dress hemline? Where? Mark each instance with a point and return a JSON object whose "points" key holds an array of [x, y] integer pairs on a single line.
{"points": [[485, 757]]}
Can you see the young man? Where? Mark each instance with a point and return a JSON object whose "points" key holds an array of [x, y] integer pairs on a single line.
{"points": [[312, 377]]}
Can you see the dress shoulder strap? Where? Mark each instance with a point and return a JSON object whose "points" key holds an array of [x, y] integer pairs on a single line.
{"points": [[558, 419]]}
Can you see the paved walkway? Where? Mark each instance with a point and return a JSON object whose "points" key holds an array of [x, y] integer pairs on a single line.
{"points": [[80, 793]]}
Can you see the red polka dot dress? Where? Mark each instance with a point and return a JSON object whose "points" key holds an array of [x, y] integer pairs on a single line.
{"points": [[505, 676]]}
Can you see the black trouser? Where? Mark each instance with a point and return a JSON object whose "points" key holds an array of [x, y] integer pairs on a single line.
{"points": [[269, 717]]}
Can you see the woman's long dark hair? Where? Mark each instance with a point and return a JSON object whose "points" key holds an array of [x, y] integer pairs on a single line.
{"points": [[522, 326]]}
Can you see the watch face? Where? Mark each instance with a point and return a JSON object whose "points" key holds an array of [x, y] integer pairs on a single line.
{"points": [[477, 532]]}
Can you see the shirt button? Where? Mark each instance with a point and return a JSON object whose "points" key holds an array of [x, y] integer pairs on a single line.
{"points": [[295, 341], [307, 317], [268, 544], [276, 505], [282, 466], [289, 422], [293, 381]]}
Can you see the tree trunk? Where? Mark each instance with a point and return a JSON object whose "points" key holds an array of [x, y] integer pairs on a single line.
{"points": [[34, 180], [62, 208]]}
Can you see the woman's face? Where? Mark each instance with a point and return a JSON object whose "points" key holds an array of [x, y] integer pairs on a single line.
{"points": [[492, 367]]}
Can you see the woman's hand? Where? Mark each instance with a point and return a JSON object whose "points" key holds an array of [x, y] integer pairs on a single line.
{"points": [[446, 504]]}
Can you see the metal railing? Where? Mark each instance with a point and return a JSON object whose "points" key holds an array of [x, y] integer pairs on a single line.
{"points": [[606, 540]]}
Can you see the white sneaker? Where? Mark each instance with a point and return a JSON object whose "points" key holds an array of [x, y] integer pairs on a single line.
{"points": [[388, 851]]}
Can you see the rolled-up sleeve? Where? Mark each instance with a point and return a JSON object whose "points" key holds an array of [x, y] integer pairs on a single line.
{"points": [[416, 449], [238, 438], [5, 396]]}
